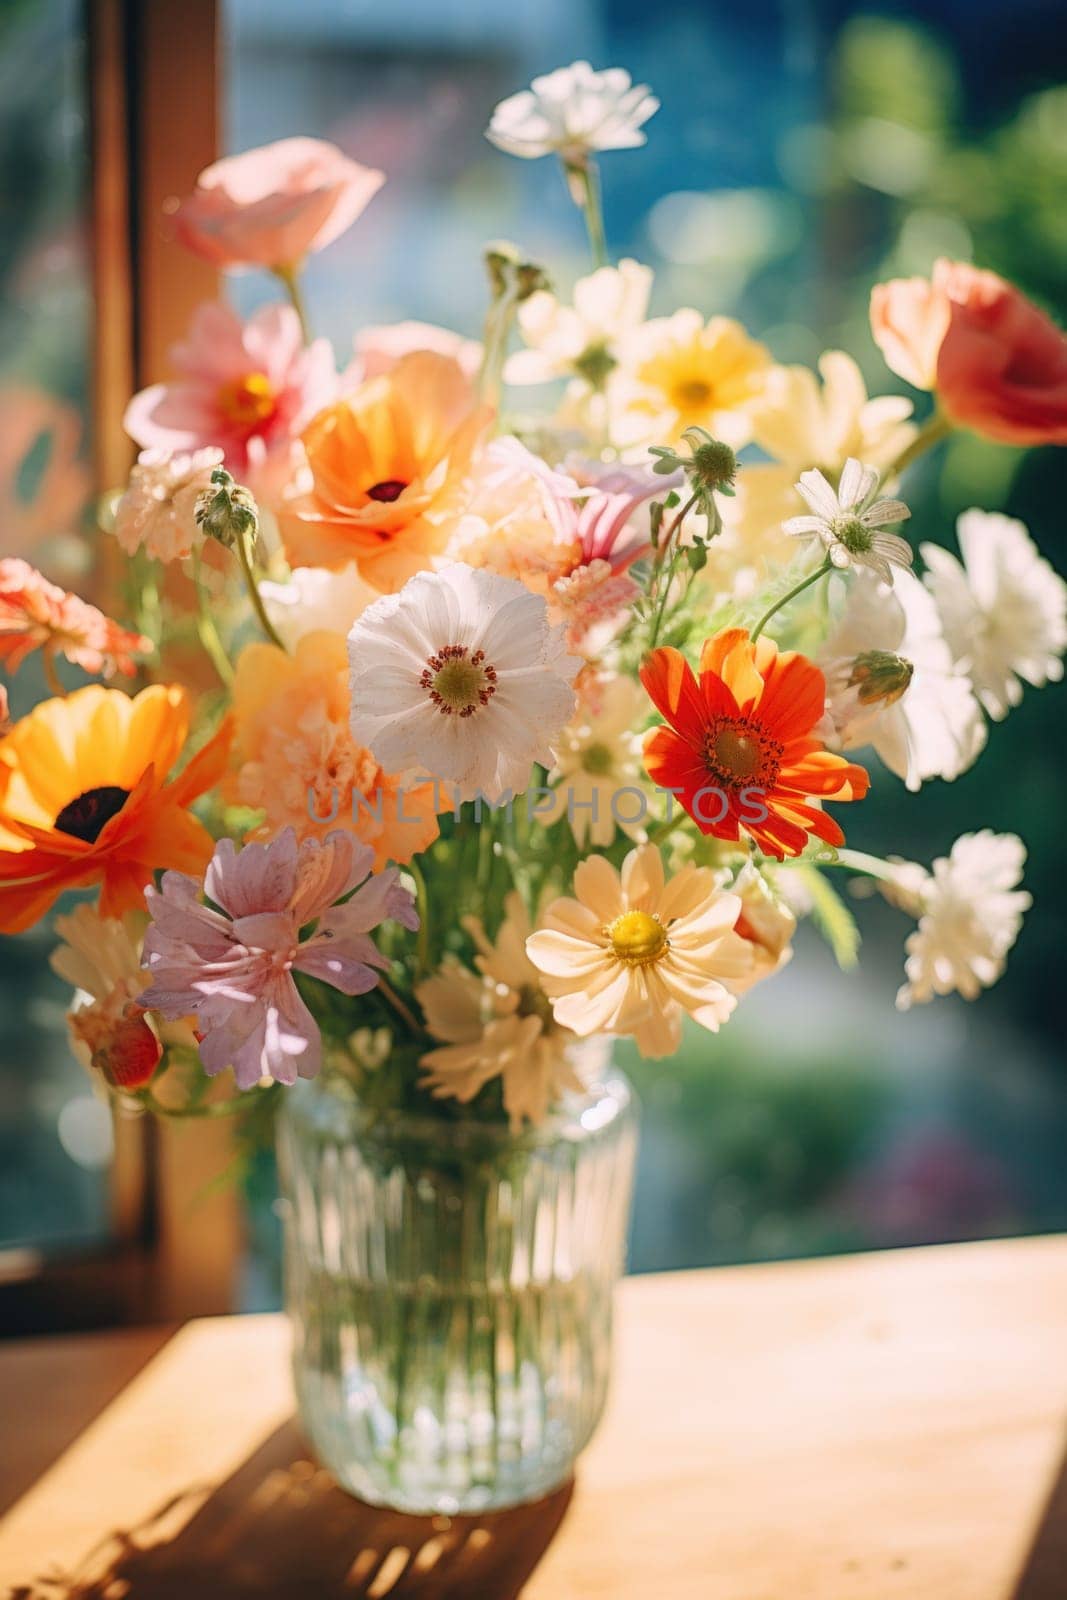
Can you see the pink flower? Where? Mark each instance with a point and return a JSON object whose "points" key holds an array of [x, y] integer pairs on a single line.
{"points": [[248, 388], [594, 596], [378, 349], [35, 614], [272, 206], [233, 967], [157, 511]]}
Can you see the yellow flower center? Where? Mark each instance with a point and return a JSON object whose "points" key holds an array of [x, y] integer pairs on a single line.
{"points": [[249, 399], [691, 394], [637, 938], [458, 682]]}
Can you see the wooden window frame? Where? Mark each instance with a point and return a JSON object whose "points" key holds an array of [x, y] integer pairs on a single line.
{"points": [[176, 1238]]}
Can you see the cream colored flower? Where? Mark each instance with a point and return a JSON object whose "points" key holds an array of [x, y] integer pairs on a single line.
{"points": [[581, 341], [573, 112], [891, 683], [766, 924], [597, 755], [157, 512], [1004, 608], [680, 371], [315, 600], [969, 909], [629, 954], [497, 1023]]}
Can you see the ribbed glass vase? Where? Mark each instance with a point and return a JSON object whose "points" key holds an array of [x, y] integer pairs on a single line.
{"points": [[449, 1288]]}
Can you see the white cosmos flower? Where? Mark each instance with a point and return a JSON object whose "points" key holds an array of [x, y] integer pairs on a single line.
{"points": [[579, 341], [461, 676], [572, 112], [849, 522], [970, 911], [1004, 609], [315, 600], [891, 683]]}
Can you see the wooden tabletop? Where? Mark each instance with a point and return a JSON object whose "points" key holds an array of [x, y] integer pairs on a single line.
{"points": [[883, 1427]]}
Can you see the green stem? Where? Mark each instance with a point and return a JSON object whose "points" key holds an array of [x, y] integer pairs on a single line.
{"points": [[498, 322], [215, 1108], [404, 1012], [254, 595], [798, 588], [207, 632], [933, 430], [422, 902], [289, 277], [859, 861], [662, 595], [583, 182]]}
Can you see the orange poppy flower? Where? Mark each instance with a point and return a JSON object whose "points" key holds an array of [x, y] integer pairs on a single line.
{"points": [[739, 750], [35, 614], [84, 799], [388, 465]]}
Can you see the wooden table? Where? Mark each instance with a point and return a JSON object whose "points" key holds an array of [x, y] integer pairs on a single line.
{"points": [[884, 1427]]}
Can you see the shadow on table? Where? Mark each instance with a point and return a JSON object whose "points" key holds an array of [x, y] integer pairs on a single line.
{"points": [[280, 1528], [1044, 1572]]}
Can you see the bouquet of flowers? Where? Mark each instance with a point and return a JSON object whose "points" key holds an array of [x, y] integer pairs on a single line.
{"points": [[457, 736]]}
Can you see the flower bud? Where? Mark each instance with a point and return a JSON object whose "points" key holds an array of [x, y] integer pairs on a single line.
{"points": [[879, 675], [227, 511]]}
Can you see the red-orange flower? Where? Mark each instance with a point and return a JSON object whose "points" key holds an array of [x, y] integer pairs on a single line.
{"points": [[739, 750], [84, 799], [36, 615]]}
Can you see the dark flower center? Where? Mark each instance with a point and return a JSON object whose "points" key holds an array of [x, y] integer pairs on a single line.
{"points": [[388, 490], [739, 753], [86, 816]]}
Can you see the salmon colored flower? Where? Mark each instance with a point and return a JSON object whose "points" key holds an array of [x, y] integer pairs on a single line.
{"points": [[246, 387], [85, 798], [388, 464], [739, 749], [999, 365], [36, 615], [157, 512], [296, 761], [107, 1025], [272, 206]]}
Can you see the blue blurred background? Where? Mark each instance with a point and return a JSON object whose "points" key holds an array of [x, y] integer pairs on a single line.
{"points": [[804, 149]]}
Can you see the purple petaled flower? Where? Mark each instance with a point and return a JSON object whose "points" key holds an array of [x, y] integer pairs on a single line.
{"points": [[233, 967]]}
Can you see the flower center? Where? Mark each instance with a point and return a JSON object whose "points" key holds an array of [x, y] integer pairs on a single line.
{"points": [[856, 537], [595, 364], [86, 816], [457, 681], [597, 760], [739, 752], [637, 938], [691, 394], [249, 399], [388, 490]]}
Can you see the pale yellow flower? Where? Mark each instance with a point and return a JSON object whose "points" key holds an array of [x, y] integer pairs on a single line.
{"points": [[631, 952], [497, 1022], [680, 371], [766, 924], [597, 755], [580, 340]]}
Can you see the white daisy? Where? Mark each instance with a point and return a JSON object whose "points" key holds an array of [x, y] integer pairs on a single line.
{"points": [[572, 112], [579, 341], [1004, 609], [314, 600], [969, 910], [891, 683], [849, 522], [461, 676], [599, 754]]}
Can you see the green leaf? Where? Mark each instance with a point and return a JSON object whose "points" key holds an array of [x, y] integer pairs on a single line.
{"points": [[831, 916]]}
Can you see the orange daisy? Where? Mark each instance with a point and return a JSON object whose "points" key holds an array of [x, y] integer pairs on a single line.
{"points": [[84, 799], [36, 614], [739, 749], [296, 761], [388, 464]]}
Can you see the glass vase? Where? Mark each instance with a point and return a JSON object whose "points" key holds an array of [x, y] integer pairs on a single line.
{"points": [[449, 1287]]}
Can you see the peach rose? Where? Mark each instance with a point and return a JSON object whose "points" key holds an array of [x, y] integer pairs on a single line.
{"points": [[999, 365], [272, 206], [909, 319]]}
